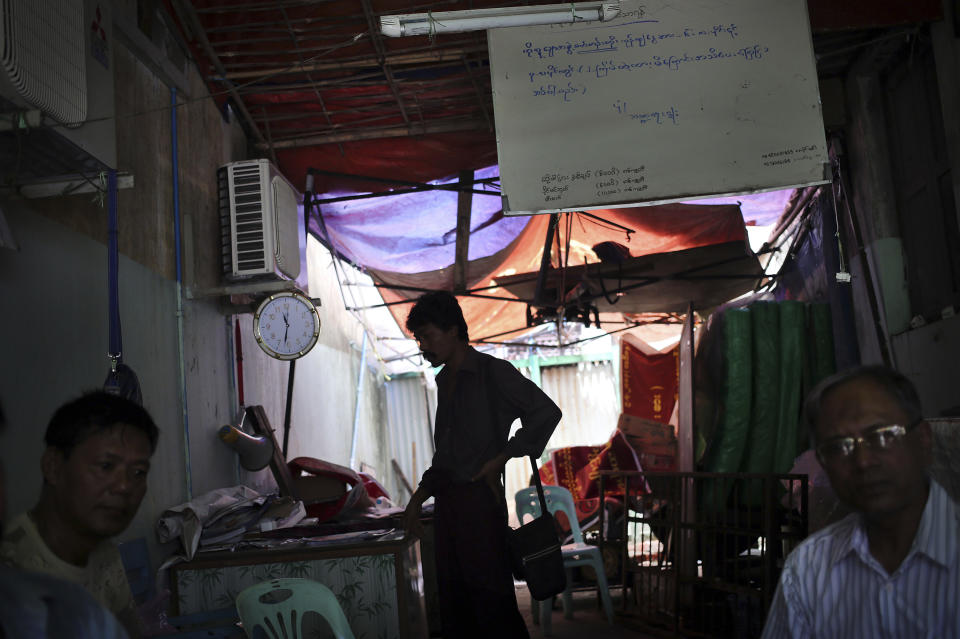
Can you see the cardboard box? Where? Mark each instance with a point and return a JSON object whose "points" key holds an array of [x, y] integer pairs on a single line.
{"points": [[654, 442], [663, 450], [651, 462], [646, 430]]}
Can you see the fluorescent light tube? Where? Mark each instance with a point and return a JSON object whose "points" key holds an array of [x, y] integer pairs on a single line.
{"points": [[411, 24]]}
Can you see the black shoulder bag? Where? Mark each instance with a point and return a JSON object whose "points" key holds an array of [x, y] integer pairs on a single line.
{"points": [[535, 552]]}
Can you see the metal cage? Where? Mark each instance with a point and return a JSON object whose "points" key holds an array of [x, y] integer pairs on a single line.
{"points": [[701, 553]]}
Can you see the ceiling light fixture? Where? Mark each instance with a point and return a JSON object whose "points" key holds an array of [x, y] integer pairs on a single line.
{"points": [[412, 24]]}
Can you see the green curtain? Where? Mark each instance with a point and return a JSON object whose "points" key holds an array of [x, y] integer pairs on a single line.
{"points": [[764, 414], [773, 354], [726, 453], [792, 356]]}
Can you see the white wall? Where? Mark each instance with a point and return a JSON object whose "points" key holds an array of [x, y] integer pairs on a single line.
{"points": [[411, 406], [55, 324], [55, 318], [325, 382], [930, 357], [53, 314], [209, 364], [587, 394]]}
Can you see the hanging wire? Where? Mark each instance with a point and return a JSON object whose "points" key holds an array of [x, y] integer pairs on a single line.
{"points": [[842, 275], [431, 26], [561, 288], [21, 127], [610, 226], [215, 94]]}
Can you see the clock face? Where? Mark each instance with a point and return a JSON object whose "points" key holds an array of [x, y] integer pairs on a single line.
{"points": [[286, 325]]}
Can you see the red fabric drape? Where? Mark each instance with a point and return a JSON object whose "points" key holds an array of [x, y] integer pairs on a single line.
{"points": [[656, 229], [576, 469], [648, 381]]}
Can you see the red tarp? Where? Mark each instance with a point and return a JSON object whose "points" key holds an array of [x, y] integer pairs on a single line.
{"points": [[424, 157], [326, 97], [416, 159], [657, 229]]}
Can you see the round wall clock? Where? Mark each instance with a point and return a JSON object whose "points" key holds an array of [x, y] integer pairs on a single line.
{"points": [[286, 325]]}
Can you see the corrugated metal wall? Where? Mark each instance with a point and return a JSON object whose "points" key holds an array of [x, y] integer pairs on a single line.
{"points": [[587, 394], [411, 404]]}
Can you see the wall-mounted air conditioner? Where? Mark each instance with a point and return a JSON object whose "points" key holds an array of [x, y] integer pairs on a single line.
{"points": [[261, 222], [56, 69]]}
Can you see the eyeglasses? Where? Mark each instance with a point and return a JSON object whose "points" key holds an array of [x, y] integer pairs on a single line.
{"points": [[880, 438]]}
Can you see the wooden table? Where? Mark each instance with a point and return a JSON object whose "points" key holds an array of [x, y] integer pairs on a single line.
{"points": [[377, 580]]}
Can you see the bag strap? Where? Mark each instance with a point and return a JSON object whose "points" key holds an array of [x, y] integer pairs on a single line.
{"points": [[536, 478], [115, 347], [491, 404]]}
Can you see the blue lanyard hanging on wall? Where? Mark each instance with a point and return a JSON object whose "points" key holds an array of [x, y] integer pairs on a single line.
{"points": [[121, 380]]}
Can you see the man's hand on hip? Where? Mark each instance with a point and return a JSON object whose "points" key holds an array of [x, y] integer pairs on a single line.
{"points": [[491, 472]]}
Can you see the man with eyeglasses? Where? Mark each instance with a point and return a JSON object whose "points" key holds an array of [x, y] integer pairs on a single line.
{"points": [[890, 569]]}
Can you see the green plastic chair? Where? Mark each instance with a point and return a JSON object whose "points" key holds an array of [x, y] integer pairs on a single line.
{"points": [[576, 553], [281, 609]]}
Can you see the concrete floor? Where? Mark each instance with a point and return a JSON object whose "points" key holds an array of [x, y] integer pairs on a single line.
{"points": [[589, 621]]}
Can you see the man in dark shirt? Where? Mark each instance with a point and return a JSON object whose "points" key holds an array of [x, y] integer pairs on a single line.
{"points": [[479, 397]]}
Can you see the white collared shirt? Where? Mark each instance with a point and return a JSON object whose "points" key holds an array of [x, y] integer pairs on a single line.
{"points": [[831, 586]]}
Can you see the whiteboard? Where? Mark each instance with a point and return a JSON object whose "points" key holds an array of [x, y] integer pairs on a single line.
{"points": [[673, 99]]}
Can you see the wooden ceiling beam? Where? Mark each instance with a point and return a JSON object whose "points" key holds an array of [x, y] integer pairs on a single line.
{"points": [[424, 128], [248, 7], [376, 110], [464, 210], [185, 9], [360, 80], [377, 40], [265, 37], [224, 30], [375, 122], [439, 55]]}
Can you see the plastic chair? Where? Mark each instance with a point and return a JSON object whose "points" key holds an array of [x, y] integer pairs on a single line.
{"points": [[280, 609], [576, 553]]}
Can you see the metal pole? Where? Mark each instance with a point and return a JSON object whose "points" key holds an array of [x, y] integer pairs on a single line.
{"points": [[356, 410], [286, 415], [545, 261], [177, 238]]}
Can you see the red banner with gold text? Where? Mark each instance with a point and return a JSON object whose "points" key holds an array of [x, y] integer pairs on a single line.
{"points": [[648, 380]]}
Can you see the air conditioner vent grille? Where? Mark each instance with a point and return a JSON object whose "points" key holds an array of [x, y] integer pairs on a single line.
{"points": [[248, 204], [42, 47], [260, 221], [223, 205]]}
